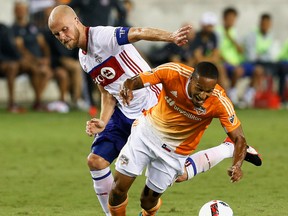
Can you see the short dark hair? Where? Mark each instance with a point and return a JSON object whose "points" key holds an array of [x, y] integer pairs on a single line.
{"points": [[266, 16], [229, 10], [206, 69]]}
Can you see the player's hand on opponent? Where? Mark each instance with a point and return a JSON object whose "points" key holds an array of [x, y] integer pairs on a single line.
{"points": [[94, 126], [235, 173], [126, 95], [181, 36]]}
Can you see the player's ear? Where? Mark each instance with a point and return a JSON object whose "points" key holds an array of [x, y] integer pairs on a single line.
{"points": [[193, 78], [77, 20]]}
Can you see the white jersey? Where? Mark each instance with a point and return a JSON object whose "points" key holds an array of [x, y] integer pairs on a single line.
{"points": [[110, 64]]}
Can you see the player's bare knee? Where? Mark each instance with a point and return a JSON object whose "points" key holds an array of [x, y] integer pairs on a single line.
{"points": [[95, 162]]}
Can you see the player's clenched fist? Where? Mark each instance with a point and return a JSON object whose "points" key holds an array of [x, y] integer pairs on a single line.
{"points": [[235, 173], [94, 126], [126, 94]]}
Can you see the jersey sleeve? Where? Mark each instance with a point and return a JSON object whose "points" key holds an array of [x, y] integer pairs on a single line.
{"points": [[111, 38], [226, 112], [121, 34], [154, 77]]}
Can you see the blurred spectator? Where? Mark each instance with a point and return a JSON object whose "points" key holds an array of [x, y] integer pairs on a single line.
{"points": [[9, 65], [94, 13], [172, 53], [283, 74], [232, 55], [259, 54], [205, 46], [122, 15], [35, 54], [259, 43], [37, 11]]}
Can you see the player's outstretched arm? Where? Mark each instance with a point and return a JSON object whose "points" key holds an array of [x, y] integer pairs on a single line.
{"points": [[179, 37], [128, 86], [240, 144]]}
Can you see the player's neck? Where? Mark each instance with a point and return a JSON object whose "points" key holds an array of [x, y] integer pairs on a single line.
{"points": [[83, 40]]}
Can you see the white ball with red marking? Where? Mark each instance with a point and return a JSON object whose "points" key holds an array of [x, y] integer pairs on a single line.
{"points": [[216, 208]]}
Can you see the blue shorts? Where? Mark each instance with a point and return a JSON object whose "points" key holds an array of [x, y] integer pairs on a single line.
{"points": [[109, 142]]}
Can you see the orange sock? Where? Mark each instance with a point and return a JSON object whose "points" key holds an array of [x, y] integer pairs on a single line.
{"points": [[152, 211], [119, 210]]}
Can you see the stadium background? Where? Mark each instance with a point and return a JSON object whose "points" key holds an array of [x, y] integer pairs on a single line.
{"points": [[169, 14], [42, 156]]}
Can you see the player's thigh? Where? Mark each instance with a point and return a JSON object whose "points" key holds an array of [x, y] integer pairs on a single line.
{"points": [[134, 156], [106, 149], [160, 175], [109, 142]]}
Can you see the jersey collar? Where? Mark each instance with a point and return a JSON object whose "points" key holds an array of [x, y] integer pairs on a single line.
{"points": [[87, 36]]}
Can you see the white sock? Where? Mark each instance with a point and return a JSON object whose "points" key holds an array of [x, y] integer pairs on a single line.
{"points": [[102, 181], [206, 159]]}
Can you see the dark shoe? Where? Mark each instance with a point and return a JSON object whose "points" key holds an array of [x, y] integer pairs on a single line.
{"points": [[252, 156]]}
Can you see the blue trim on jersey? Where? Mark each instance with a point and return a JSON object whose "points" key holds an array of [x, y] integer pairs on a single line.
{"points": [[193, 165], [100, 65], [102, 177], [122, 35]]}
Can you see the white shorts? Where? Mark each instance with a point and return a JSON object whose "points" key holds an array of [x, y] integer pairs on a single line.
{"points": [[145, 149]]}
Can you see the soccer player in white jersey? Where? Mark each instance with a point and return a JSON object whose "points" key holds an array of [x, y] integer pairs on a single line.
{"points": [[107, 55]]}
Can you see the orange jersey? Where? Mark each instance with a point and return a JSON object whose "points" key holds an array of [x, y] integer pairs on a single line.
{"points": [[177, 121]]}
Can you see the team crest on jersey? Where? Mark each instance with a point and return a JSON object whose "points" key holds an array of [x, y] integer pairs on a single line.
{"points": [[123, 159], [108, 72], [98, 58], [105, 73], [232, 119], [200, 110]]}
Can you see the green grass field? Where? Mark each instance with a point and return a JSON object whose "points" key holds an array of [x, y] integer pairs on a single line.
{"points": [[43, 169]]}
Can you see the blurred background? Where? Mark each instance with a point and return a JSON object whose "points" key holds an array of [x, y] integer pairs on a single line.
{"points": [[247, 40], [43, 156]]}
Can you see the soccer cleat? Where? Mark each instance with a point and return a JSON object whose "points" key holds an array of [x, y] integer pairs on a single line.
{"points": [[252, 156]]}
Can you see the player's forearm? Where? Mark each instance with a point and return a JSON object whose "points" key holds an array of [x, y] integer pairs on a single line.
{"points": [[108, 103], [133, 83], [149, 34], [239, 151]]}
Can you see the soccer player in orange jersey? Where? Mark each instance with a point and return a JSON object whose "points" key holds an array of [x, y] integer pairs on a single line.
{"points": [[169, 132]]}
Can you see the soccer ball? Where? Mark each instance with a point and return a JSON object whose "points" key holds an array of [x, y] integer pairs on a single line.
{"points": [[216, 208]]}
